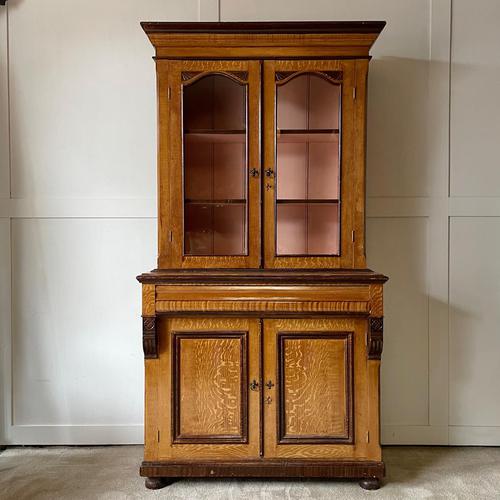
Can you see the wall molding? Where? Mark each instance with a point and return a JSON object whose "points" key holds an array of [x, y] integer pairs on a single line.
{"points": [[437, 208]]}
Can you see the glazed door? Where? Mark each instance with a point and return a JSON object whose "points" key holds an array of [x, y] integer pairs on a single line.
{"points": [[309, 164], [315, 389], [214, 164], [208, 389]]}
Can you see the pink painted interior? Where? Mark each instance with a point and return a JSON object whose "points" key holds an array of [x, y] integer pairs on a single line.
{"points": [[292, 170], [323, 229], [291, 229], [198, 171], [324, 100], [214, 171], [308, 229], [215, 167], [308, 170], [292, 98], [323, 176], [308, 167], [308, 102]]}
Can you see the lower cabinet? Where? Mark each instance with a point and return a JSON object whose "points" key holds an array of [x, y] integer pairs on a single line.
{"points": [[246, 389]]}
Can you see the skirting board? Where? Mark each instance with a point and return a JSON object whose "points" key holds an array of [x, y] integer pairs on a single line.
{"points": [[74, 435], [134, 434], [474, 436], [414, 435]]}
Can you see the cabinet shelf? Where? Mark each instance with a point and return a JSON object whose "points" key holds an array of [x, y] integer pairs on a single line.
{"points": [[312, 131], [304, 201], [308, 135], [215, 135], [215, 202]]}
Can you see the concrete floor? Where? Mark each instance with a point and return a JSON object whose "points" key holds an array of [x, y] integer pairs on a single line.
{"points": [[112, 473]]}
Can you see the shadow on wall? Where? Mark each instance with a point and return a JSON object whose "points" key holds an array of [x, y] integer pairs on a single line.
{"points": [[398, 122]]}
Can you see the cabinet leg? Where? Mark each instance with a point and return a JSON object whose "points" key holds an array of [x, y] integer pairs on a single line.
{"points": [[370, 483], [155, 483]]}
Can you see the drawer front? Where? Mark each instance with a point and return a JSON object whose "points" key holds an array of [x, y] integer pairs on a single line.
{"points": [[264, 299]]}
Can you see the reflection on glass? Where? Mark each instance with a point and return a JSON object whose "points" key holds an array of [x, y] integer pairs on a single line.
{"points": [[308, 167], [215, 165]]}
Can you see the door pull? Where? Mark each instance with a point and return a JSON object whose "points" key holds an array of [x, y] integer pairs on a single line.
{"points": [[254, 385]]}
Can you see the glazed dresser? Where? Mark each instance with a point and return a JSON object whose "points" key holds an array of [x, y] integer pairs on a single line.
{"points": [[262, 326]]}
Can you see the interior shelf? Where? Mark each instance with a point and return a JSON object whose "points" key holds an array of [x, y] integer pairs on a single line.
{"points": [[308, 135], [315, 131], [215, 202], [215, 135], [305, 201]]}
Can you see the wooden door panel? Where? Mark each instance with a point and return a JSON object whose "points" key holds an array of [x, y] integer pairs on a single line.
{"points": [[315, 387], [206, 409], [210, 387], [317, 407], [214, 212]]}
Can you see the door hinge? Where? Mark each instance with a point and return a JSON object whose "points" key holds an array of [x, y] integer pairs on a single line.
{"points": [[169, 93], [158, 435], [367, 436], [353, 236], [354, 93]]}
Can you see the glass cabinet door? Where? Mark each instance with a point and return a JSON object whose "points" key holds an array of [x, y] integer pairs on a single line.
{"points": [[307, 133], [215, 164]]}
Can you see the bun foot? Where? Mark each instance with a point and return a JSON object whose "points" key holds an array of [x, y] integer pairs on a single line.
{"points": [[155, 483], [370, 483]]}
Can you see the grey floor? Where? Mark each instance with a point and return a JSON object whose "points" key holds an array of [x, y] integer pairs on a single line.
{"points": [[111, 473]]}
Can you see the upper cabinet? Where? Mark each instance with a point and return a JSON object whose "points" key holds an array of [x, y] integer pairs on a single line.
{"points": [[262, 145]]}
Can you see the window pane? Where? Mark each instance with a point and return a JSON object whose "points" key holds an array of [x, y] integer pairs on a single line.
{"points": [[215, 167], [308, 166]]}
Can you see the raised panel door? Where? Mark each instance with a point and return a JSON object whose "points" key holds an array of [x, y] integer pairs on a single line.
{"points": [[208, 408], [315, 390]]}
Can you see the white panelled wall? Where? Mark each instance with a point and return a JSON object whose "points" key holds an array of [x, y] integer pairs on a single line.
{"points": [[77, 210]]}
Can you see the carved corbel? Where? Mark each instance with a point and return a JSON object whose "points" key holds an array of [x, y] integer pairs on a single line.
{"points": [[375, 338], [149, 337]]}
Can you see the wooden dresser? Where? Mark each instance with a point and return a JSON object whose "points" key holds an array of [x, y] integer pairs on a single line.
{"points": [[262, 327]]}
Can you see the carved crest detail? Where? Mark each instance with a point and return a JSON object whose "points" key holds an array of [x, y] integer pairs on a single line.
{"points": [[375, 338], [191, 76], [149, 337], [331, 76]]}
